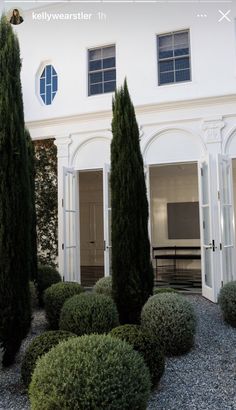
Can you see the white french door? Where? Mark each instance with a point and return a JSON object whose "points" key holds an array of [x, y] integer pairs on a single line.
{"points": [[107, 220], [226, 213], [208, 246], [71, 225], [147, 180]]}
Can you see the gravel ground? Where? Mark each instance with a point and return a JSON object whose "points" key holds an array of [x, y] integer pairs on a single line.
{"points": [[204, 379], [12, 393]]}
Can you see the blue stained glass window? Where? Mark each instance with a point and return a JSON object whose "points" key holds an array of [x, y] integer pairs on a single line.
{"points": [[48, 94], [48, 84], [42, 86], [101, 70], [54, 84], [174, 57]]}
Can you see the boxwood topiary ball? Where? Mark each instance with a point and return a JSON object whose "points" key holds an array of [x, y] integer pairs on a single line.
{"points": [[89, 313], [170, 319], [104, 286], [94, 372], [47, 275], [151, 351], [55, 297], [227, 302], [38, 347]]}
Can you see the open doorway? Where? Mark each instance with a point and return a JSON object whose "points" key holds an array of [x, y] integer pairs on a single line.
{"points": [[175, 225], [91, 226]]}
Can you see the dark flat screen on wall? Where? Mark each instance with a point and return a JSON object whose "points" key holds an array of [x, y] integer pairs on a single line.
{"points": [[183, 220]]}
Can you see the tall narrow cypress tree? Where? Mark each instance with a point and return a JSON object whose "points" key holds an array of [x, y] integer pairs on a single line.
{"points": [[15, 213], [132, 273], [33, 231]]}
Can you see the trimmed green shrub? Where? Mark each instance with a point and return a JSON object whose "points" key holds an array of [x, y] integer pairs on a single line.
{"points": [[47, 276], [151, 351], [158, 291], [38, 347], [104, 286], [55, 297], [33, 295], [170, 319], [90, 372], [89, 313], [227, 302]]}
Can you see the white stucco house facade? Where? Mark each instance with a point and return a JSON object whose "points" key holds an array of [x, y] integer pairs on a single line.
{"points": [[181, 73]]}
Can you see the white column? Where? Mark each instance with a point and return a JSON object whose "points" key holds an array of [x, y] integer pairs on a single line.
{"points": [[62, 142], [212, 135]]}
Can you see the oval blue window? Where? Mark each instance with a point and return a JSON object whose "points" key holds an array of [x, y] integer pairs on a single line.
{"points": [[48, 84]]}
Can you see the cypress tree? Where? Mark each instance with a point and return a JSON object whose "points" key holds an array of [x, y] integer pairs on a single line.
{"points": [[15, 212], [132, 273], [33, 230]]}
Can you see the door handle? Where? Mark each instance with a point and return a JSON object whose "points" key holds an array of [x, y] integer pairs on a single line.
{"points": [[212, 245], [92, 242], [209, 246]]}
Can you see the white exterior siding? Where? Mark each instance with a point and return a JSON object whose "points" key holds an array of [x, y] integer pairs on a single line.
{"points": [[133, 29], [182, 122]]}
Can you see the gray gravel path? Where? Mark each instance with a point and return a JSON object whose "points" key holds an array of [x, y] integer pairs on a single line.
{"points": [[12, 393], [205, 378]]}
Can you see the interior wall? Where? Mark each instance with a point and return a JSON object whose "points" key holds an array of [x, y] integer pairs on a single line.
{"points": [[91, 218], [234, 184], [171, 183]]}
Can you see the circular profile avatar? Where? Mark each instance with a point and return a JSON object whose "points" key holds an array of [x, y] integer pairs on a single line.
{"points": [[16, 18]]}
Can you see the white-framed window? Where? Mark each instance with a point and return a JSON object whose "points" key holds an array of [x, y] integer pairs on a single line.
{"points": [[101, 70], [48, 84], [174, 57]]}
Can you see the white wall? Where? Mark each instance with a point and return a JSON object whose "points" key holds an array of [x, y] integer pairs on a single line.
{"points": [[133, 28]]}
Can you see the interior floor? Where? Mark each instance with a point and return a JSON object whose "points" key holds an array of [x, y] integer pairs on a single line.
{"points": [[180, 279], [91, 274]]}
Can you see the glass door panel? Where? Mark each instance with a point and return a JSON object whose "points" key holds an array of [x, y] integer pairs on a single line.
{"points": [[71, 226], [107, 220], [207, 244], [227, 227]]}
